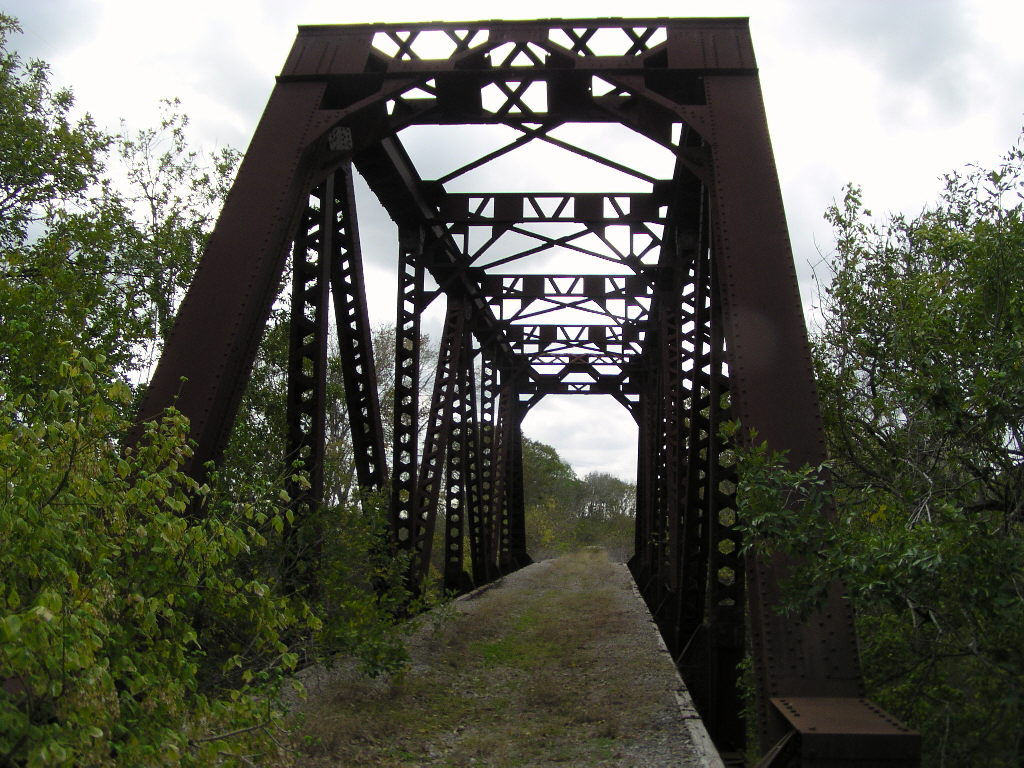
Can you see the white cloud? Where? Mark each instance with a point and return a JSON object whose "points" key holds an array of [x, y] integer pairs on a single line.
{"points": [[593, 433]]}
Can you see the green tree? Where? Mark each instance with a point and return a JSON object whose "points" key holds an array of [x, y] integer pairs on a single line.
{"points": [[129, 634], [167, 207], [44, 154], [922, 386], [606, 514], [46, 159], [359, 579], [564, 513], [550, 496], [134, 631], [606, 496], [88, 261]]}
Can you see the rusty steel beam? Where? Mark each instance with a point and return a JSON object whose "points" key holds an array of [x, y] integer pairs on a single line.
{"points": [[487, 568], [305, 412], [443, 405], [464, 517], [626, 336], [210, 350], [359, 370], [601, 385], [725, 611], [515, 538], [503, 418], [392, 177], [545, 207], [769, 364], [473, 466], [709, 605], [832, 732], [405, 432], [628, 288], [509, 488], [550, 362]]}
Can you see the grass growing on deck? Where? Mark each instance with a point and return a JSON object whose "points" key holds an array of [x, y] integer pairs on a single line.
{"points": [[517, 675]]}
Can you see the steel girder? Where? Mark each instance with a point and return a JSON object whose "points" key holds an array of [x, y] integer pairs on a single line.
{"points": [[404, 485], [445, 403], [463, 512], [359, 372], [696, 318], [307, 380], [485, 543]]}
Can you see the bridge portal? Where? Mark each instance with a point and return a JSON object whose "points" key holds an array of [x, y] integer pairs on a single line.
{"points": [[652, 264]]}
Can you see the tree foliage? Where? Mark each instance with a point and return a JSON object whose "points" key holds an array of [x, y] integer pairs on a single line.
{"points": [[44, 154], [142, 620], [92, 258], [922, 386], [564, 513], [130, 637], [168, 207]]}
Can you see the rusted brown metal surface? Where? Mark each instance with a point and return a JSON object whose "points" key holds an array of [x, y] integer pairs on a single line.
{"points": [[849, 732], [689, 317], [307, 375]]}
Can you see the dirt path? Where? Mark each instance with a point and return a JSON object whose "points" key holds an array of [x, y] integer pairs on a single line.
{"points": [[557, 664]]}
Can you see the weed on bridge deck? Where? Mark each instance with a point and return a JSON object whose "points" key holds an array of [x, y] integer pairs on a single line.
{"points": [[557, 664]]}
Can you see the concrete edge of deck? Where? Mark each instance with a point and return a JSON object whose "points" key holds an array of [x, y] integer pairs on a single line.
{"points": [[691, 718]]}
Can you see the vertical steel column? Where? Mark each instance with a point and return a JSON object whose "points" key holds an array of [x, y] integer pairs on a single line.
{"points": [[649, 452], [354, 342], [516, 537], [693, 575], [407, 384], [435, 441], [684, 295], [456, 580], [489, 505], [725, 596], [474, 466], [672, 396], [667, 456], [462, 483], [643, 560], [659, 533], [640, 526], [307, 380], [502, 464], [700, 505]]}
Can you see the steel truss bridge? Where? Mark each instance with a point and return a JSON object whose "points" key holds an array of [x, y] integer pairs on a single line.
{"points": [[692, 318]]}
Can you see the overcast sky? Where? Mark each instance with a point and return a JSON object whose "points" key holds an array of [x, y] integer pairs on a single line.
{"points": [[889, 94]]}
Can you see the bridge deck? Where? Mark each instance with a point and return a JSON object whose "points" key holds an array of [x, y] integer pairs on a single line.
{"points": [[556, 664]]}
